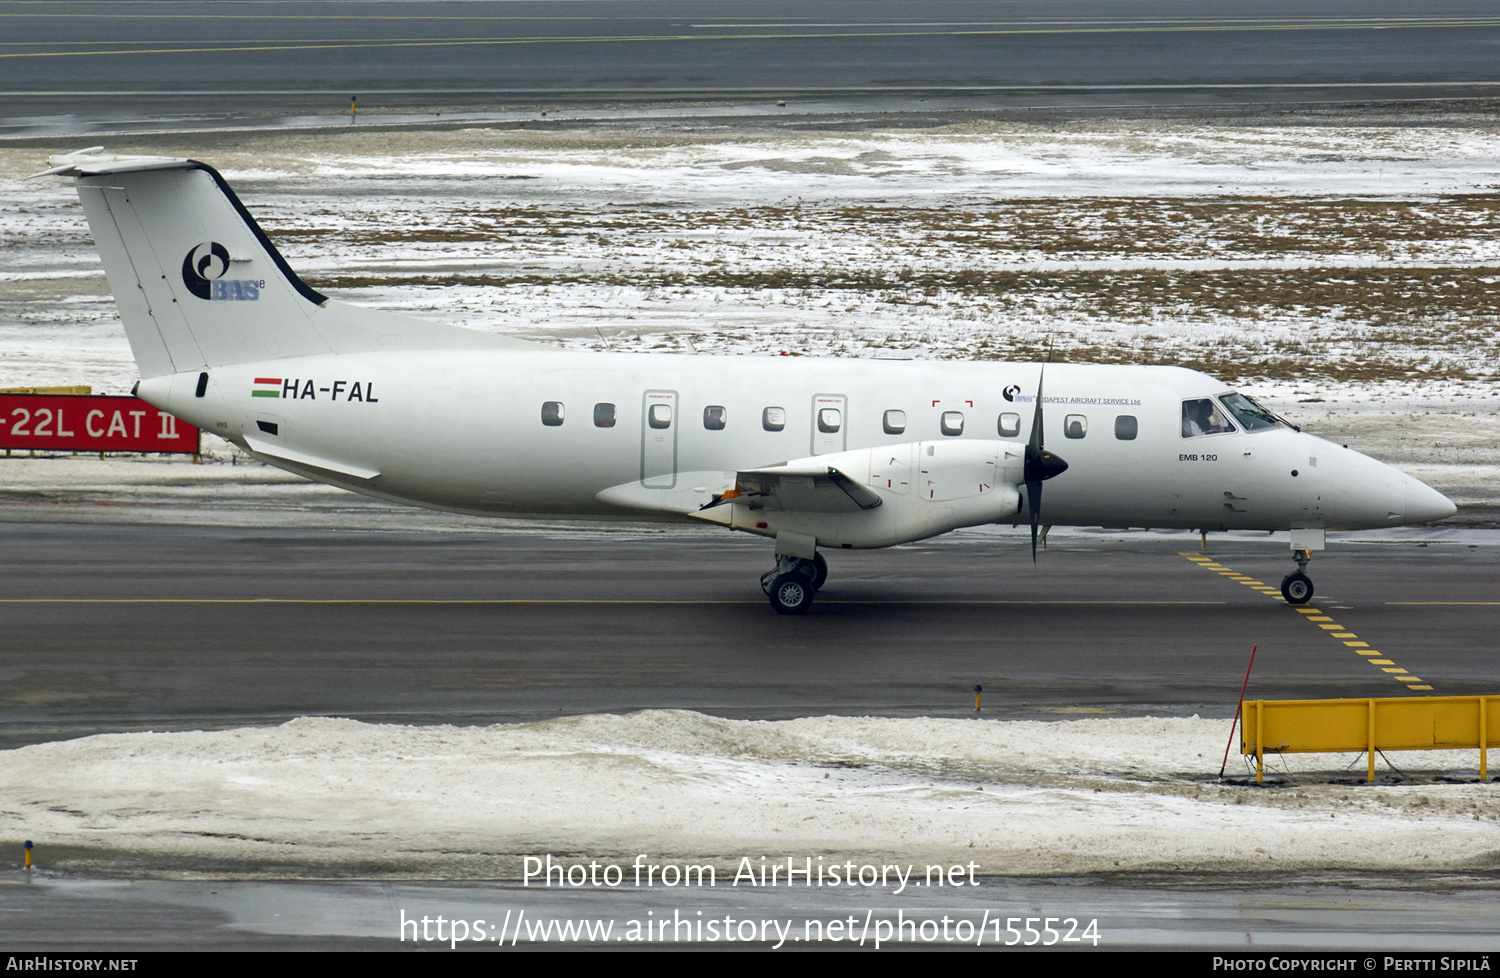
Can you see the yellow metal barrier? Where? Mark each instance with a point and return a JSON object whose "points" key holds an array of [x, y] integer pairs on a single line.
{"points": [[1399, 723]]}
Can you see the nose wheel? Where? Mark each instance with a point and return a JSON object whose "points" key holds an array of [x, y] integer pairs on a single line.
{"points": [[793, 582], [1297, 587]]}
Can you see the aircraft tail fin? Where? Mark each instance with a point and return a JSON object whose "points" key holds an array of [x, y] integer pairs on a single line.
{"points": [[199, 284]]}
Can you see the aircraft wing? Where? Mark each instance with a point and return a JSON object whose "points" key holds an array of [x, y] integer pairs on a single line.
{"points": [[803, 486]]}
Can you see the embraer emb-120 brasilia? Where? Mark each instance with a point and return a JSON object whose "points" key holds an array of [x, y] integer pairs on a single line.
{"points": [[808, 452]]}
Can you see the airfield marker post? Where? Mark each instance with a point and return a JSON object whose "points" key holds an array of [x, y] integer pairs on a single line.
{"points": [[1238, 707]]}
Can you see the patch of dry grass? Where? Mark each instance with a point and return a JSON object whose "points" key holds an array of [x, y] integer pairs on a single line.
{"points": [[1342, 289], [1090, 228], [1466, 301]]}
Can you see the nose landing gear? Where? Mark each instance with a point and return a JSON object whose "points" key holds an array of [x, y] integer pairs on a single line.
{"points": [[793, 582], [1297, 587]]}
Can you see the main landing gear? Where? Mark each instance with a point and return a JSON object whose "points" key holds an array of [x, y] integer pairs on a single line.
{"points": [[1297, 587], [792, 583]]}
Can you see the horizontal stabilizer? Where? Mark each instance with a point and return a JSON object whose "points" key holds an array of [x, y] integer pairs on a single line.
{"points": [[93, 162]]}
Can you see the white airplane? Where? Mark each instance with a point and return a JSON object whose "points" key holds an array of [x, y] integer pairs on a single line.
{"points": [[811, 453]]}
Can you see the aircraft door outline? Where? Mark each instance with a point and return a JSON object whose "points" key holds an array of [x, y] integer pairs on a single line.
{"points": [[659, 424], [830, 423]]}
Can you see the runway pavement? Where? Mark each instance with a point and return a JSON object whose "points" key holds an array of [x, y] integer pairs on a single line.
{"points": [[129, 627], [114, 627], [170, 62], [1268, 915]]}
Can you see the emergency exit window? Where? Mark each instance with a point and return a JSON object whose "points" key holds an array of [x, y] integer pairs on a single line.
{"points": [[660, 416], [829, 420]]}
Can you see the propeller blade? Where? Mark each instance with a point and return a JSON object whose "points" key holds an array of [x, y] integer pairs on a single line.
{"points": [[1041, 464], [1035, 442], [1034, 456], [1034, 504]]}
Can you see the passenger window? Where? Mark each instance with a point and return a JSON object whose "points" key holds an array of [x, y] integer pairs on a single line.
{"points": [[713, 417], [1201, 417], [1126, 427], [1010, 425], [1075, 426], [953, 422], [894, 422], [660, 416], [829, 420], [604, 415], [773, 419], [552, 413]]}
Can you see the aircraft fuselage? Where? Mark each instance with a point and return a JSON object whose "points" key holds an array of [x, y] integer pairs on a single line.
{"points": [[468, 433]]}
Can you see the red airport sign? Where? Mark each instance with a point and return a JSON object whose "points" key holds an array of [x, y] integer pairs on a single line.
{"points": [[91, 423]]}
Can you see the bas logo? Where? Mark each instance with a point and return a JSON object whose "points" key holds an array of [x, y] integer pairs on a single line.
{"points": [[203, 271]]}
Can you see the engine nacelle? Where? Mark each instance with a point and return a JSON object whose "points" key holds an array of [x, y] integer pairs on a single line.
{"points": [[878, 497]]}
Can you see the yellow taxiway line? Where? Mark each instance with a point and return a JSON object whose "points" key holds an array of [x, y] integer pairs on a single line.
{"points": [[1325, 622]]}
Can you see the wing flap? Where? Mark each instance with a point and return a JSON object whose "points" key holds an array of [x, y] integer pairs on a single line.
{"points": [[806, 488], [695, 491]]}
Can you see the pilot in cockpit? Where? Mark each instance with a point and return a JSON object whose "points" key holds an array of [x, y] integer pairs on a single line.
{"points": [[1200, 417]]}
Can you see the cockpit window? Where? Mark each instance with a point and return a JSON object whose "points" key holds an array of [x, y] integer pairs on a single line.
{"points": [[1250, 415], [1201, 416]]}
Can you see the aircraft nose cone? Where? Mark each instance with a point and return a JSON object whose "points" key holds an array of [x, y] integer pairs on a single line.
{"points": [[1424, 503]]}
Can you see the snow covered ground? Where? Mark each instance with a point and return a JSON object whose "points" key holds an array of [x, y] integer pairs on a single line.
{"points": [[1347, 274], [335, 797], [1293, 259]]}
